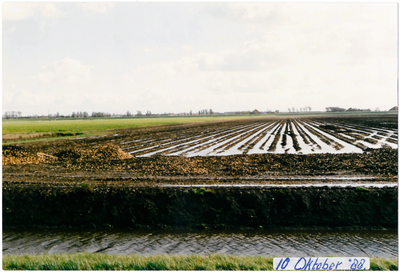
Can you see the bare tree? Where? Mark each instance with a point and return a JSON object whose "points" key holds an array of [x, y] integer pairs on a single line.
{"points": [[335, 109], [11, 114]]}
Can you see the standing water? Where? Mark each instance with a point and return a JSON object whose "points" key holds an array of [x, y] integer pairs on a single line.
{"points": [[382, 243]]}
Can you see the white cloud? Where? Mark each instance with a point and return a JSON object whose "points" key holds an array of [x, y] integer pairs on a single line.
{"points": [[17, 11], [7, 97], [187, 48], [12, 29], [50, 10], [255, 55], [251, 11], [97, 7], [168, 86], [64, 71], [210, 61], [37, 98], [186, 82], [277, 69], [22, 11]]}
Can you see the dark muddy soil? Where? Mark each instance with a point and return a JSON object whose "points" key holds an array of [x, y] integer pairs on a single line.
{"points": [[146, 207], [109, 160]]}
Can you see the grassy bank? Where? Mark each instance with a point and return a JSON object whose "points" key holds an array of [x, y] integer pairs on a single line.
{"points": [[95, 261]]}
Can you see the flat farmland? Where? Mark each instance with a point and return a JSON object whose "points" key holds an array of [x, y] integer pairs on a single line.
{"points": [[289, 135], [225, 148], [18, 130], [238, 173]]}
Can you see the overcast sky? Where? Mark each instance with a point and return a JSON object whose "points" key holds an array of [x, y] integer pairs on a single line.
{"points": [[177, 57]]}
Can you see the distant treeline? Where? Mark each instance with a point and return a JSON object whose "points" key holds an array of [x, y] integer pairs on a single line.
{"points": [[339, 109], [85, 114]]}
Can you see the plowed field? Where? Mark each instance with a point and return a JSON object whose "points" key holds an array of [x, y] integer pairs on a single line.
{"points": [[241, 149], [292, 136]]}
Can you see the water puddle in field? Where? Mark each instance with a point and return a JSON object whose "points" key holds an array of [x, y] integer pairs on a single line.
{"points": [[305, 148], [347, 148], [79, 138], [96, 137], [235, 149], [257, 138], [203, 148], [211, 150], [371, 131], [212, 136], [265, 142], [296, 243], [325, 148]]}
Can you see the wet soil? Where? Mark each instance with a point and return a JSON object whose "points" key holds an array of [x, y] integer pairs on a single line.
{"points": [[93, 182], [165, 207], [110, 162]]}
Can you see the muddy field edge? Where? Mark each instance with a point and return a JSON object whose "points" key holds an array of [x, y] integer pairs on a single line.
{"points": [[200, 208]]}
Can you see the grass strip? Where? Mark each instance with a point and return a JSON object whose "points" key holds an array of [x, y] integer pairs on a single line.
{"points": [[92, 124], [97, 261], [23, 131]]}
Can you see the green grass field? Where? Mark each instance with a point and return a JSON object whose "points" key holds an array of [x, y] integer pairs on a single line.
{"points": [[96, 261], [19, 131], [95, 124]]}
